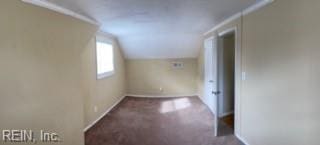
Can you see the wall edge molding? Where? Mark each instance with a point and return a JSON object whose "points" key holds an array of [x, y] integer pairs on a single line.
{"points": [[104, 114], [61, 10]]}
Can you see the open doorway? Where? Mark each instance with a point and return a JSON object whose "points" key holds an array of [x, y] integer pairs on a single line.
{"points": [[226, 82]]}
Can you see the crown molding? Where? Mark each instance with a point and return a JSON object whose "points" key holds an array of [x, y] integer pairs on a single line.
{"points": [[106, 34], [59, 9], [246, 11], [256, 6], [224, 22]]}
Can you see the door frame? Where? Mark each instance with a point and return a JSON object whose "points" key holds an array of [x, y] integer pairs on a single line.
{"points": [[238, 77]]}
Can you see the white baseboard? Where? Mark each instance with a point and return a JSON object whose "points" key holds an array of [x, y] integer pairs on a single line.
{"points": [[242, 139], [104, 114], [161, 96], [205, 104], [201, 99], [226, 114]]}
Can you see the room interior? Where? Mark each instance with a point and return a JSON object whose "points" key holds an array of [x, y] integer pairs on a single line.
{"points": [[154, 89]]}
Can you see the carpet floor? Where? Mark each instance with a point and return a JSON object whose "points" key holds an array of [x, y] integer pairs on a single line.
{"points": [[159, 121]]}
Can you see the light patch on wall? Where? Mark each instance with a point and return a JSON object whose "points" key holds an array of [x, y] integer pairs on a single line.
{"points": [[174, 105]]}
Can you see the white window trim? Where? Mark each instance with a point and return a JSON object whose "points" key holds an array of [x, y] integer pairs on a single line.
{"points": [[101, 38], [105, 75]]}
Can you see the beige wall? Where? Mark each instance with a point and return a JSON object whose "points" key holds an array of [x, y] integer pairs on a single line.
{"points": [[146, 77], [102, 93], [280, 53], [200, 73], [281, 49], [40, 77]]}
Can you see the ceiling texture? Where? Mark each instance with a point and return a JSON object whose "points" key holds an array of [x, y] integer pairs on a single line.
{"points": [[157, 29]]}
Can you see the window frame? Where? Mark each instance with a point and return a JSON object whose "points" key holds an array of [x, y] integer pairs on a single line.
{"points": [[105, 40]]}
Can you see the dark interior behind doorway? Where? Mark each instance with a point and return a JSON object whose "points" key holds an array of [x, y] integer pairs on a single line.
{"points": [[227, 79]]}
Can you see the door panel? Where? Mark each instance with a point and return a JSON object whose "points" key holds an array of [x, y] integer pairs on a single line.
{"points": [[210, 78]]}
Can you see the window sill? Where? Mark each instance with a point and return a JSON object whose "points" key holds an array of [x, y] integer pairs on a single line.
{"points": [[105, 75]]}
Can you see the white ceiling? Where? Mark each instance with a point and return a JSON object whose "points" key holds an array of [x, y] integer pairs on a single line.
{"points": [[157, 28]]}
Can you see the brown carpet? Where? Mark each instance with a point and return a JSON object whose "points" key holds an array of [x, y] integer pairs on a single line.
{"points": [[158, 121]]}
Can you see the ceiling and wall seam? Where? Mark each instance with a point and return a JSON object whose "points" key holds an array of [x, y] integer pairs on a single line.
{"points": [[151, 29], [59, 9], [244, 12]]}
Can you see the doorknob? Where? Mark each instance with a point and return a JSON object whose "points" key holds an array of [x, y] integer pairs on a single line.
{"points": [[216, 93], [211, 81]]}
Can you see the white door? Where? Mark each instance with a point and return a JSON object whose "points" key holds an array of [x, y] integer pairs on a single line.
{"points": [[211, 78]]}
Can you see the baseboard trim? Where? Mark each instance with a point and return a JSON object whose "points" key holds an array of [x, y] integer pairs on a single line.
{"points": [[242, 139], [104, 114], [161, 96]]}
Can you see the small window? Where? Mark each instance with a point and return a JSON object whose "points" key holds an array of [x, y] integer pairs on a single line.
{"points": [[105, 66]]}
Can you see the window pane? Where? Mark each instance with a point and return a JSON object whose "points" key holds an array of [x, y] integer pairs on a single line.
{"points": [[104, 58]]}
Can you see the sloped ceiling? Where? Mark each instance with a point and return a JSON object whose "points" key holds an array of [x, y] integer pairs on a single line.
{"points": [[148, 29]]}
